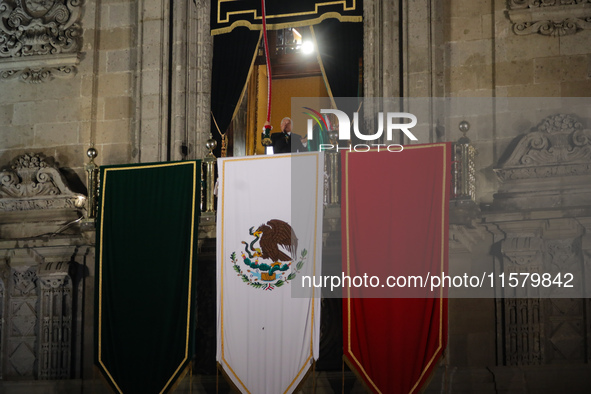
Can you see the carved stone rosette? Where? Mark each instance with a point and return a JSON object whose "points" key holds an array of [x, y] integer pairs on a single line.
{"points": [[550, 17], [39, 39], [30, 183]]}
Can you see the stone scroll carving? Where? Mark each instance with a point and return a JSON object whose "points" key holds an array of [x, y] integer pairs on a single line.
{"points": [[55, 326], [553, 158], [30, 182], [559, 146], [549, 17], [39, 39]]}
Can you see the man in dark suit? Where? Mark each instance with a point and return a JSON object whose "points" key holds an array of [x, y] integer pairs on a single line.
{"points": [[286, 141]]}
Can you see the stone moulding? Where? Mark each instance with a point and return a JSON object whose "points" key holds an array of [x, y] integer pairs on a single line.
{"points": [[39, 39], [549, 17], [42, 69], [559, 146], [31, 183]]}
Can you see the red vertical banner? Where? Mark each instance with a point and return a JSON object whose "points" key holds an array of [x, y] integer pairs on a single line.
{"points": [[395, 230]]}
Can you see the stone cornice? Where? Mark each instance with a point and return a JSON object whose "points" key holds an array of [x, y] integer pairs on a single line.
{"points": [[549, 17], [39, 69]]}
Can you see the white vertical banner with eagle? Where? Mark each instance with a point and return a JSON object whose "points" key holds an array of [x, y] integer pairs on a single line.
{"points": [[269, 235]]}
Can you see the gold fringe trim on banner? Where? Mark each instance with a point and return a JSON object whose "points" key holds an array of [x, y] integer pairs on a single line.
{"points": [[180, 378], [229, 380], [226, 378], [108, 377], [358, 375], [108, 382], [304, 378]]}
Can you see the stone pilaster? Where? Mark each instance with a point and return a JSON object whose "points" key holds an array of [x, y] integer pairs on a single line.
{"points": [[55, 325], [542, 212], [202, 84], [19, 353], [150, 141]]}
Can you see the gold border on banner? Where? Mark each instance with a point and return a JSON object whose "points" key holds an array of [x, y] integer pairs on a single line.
{"points": [[256, 16], [311, 355], [354, 361], [282, 25], [277, 26], [100, 305]]}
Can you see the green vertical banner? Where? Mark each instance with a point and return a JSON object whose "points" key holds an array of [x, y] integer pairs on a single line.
{"points": [[145, 274]]}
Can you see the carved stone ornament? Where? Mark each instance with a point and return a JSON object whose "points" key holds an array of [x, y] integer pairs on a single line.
{"points": [[522, 250], [31, 183], [549, 17], [39, 39], [560, 146]]}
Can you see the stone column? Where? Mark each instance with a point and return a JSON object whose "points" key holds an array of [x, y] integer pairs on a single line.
{"points": [[381, 56], [202, 80], [152, 82], [174, 80], [521, 312], [191, 79], [403, 55], [381, 48]]}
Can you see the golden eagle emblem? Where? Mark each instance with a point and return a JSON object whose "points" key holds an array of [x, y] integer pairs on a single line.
{"points": [[268, 257]]}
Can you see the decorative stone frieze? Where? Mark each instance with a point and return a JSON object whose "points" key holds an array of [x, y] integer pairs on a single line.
{"points": [[39, 39], [31, 183], [37, 75], [549, 17]]}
